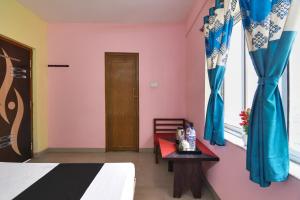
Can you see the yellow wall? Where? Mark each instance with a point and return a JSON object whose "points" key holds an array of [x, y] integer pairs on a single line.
{"points": [[21, 25]]}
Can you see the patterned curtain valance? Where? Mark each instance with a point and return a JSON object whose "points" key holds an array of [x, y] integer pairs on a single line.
{"points": [[269, 23], [217, 30]]}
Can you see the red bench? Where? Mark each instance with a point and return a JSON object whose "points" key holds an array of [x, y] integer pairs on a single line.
{"points": [[166, 128]]}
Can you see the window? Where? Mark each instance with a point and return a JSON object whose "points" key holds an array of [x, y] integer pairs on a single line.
{"points": [[233, 90], [240, 83], [294, 106], [250, 78]]}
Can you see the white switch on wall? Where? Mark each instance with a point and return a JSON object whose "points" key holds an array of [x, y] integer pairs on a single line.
{"points": [[153, 84]]}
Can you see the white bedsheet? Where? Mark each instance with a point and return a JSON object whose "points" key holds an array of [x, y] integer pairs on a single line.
{"points": [[115, 181]]}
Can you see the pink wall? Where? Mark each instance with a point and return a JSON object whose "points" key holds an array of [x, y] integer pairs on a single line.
{"points": [[228, 177], [195, 70], [76, 94]]}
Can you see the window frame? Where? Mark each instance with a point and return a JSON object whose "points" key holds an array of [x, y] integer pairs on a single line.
{"points": [[294, 155], [229, 128]]}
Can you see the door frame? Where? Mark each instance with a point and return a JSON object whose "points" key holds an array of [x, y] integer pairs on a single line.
{"points": [[136, 55], [24, 46]]}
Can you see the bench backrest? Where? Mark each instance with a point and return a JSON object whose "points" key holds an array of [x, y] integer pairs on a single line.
{"points": [[169, 125]]}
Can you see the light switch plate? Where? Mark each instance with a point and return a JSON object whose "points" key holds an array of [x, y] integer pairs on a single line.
{"points": [[153, 84]]}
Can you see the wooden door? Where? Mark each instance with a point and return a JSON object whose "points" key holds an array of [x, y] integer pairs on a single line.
{"points": [[15, 102], [122, 121]]}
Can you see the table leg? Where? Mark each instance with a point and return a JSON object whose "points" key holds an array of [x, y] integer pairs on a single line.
{"points": [[179, 180], [196, 180], [187, 174]]}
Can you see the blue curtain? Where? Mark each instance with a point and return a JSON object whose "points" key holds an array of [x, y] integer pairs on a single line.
{"points": [[270, 31], [217, 30]]}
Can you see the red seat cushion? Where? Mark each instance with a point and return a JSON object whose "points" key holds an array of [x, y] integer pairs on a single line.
{"points": [[163, 136]]}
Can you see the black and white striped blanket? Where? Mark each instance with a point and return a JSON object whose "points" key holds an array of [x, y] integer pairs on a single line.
{"points": [[109, 181]]}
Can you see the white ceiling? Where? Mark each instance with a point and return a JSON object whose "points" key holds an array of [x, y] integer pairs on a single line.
{"points": [[111, 11]]}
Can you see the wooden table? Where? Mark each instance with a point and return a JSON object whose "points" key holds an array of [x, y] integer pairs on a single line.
{"points": [[187, 167]]}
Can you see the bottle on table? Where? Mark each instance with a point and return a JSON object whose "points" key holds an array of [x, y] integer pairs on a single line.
{"points": [[191, 137]]}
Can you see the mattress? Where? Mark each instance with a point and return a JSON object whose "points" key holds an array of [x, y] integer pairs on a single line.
{"points": [[115, 181]]}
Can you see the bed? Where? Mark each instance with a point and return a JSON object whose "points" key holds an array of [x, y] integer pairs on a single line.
{"points": [[108, 181]]}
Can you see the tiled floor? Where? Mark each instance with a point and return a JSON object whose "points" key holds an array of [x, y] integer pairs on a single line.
{"points": [[154, 182]]}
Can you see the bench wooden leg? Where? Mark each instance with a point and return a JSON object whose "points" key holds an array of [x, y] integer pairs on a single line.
{"points": [[170, 166], [156, 154]]}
